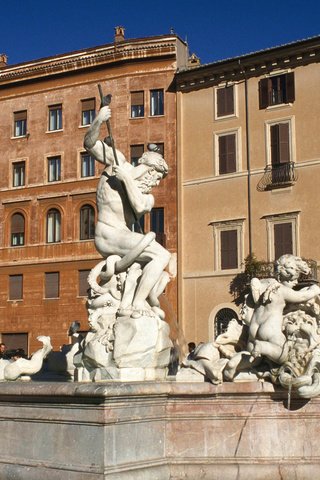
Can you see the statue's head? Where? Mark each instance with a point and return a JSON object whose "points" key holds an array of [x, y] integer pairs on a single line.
{"points": [[290, 268], [155, 170]]}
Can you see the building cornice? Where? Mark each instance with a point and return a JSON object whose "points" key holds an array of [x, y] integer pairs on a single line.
{"points": [[251, 65], [115, 53]]}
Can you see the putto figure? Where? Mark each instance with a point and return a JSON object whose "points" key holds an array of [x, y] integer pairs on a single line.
{"points": [[123, 197]]}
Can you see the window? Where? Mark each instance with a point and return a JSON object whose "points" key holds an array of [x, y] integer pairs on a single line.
{"points": [[227, 147], [15, 341], [157, 224], [83, 283], [136, 152], [87, 165], [17, 230], [87, 221], [88, 111], [276, 90], [54, 169], [280, 143], [225, 101], [53, 226], [52, 281], [156, 102], [229, 249], [282, 234], [228, 244], [222, 320], [20, 123], [18, 174], [282, 239], [55, 117], [137, 104], [159, 147], [15, 287]]}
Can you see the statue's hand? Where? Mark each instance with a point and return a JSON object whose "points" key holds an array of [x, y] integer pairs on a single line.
{"points": [[120, 173], [105, 113]]}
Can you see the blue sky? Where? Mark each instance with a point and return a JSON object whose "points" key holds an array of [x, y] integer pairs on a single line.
{"points": [[32, 29]]}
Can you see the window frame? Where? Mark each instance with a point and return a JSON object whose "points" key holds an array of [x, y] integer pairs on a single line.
{"points": [[238, 151], [21, 234], [280, 218], [11, 296], [227, 225], [91, 164], [235, 101], [266, 90], [91, 222], [47, 287], [92, 111], [292, 145], [57, 171], [15, 164], [57, 231], [23, 114], [153, 110], [141, 113], [58, 120]]}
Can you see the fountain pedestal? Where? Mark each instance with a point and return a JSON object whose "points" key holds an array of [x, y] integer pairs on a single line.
{"points": [[167, 430]]}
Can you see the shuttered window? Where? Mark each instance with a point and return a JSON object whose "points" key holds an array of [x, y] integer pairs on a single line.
{"points": [[17, 229], [280, 143], [55, 117], [52, 284], [15, 287], [137, 104], [83, 283], [229, 249], [87, 165], [15, 341], [87, 222], [227, 154], [225, 101], [282, 239], [276, 90]]}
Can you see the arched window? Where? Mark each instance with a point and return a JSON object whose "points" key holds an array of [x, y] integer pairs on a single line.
{"points": [[53, 226], [17, 230], [222, 319], [87, 221]]}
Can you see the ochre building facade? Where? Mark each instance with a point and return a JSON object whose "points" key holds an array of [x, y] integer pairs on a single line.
{"points": [[48, 183], [249, 163]]}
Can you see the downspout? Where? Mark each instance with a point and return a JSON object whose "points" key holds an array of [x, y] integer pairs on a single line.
{"points": [[248, 159]]}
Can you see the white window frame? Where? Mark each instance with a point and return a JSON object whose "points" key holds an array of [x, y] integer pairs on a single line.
{"points": [[235, 101], [292, 135], [217, 135], [271, 221], [225, 225]]}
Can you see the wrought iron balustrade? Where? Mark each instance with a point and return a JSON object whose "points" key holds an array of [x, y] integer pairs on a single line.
{"points": [[278, 175]]}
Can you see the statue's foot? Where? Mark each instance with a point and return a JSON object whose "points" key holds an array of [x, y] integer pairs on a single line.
{"points": [[256, 352], [124, 312]]}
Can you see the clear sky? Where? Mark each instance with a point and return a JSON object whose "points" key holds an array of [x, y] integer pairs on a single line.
{"points": [[214, 29]]}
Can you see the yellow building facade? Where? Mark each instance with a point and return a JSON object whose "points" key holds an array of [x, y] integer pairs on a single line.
{"points": [[249, 160]]}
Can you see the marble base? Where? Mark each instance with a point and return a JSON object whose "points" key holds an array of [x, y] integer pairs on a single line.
{"points": [[158, 431]]}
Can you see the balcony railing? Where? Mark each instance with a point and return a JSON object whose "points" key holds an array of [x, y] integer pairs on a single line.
{"points": [[278, 175]]}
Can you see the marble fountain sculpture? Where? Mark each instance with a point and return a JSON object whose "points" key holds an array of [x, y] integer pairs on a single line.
{"points": [[278, 340]]}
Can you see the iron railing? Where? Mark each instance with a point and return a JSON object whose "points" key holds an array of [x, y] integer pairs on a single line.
{"points": [[278, 175]]}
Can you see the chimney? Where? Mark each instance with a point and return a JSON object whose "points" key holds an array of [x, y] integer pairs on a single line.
{"points": [[119, 34], [3, 60]]}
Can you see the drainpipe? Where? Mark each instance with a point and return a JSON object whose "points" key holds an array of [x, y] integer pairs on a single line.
{"points": [[248, 158]]}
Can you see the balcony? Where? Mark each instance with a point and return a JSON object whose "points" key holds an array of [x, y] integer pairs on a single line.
{"points": [[280, 175]]}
